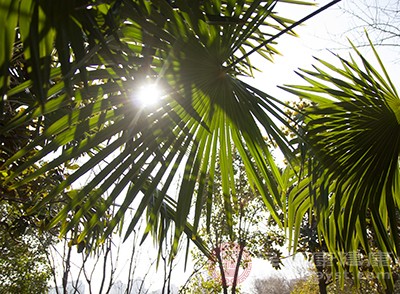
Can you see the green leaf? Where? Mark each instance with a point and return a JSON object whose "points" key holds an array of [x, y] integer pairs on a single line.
{"points": [[353, 135]]}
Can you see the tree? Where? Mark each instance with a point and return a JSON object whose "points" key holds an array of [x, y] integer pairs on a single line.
{"points": [[23, 263], [254, 234], [352, 135], [305, 286], [310, 284], [358, 264], [196, 53], [83, 60], [116, 265], [273, 285], [379, 18], [23, 243]]}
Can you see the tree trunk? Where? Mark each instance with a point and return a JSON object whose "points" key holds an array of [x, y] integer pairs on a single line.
{"points": [[221, 269], [322, 280], [322, 285]]}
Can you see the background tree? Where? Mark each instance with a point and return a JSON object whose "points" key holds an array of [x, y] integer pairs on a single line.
{"points": [[367, 279], [254, 235], [114, 266], [379, 18], [281, 282], [23, 243], [23, 264], [273, 285]]}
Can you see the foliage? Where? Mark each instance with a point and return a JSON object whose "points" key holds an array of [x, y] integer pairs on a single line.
{"points": [[77, 91], [23, 264], [367, 280], [273, 285], [24, 243], [253, 228], [306, 286], [84, 61], [352, 135], [201, 283], [18, 200], [313, 244], [24, 267]]}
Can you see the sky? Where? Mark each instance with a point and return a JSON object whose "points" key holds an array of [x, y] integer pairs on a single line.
{"points": [[328, 30], [320, 36]]}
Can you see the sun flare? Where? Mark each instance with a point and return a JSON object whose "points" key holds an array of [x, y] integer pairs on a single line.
{"points": [[149, 94]]}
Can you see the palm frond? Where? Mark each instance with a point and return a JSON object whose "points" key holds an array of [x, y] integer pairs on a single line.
{"points": [[85, 90], [353, 136]]}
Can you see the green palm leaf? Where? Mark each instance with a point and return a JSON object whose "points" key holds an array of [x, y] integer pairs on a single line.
{"points": [[353, 136], [89, 110]]}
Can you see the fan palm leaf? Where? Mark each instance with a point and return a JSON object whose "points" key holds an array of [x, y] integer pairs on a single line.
{"points": [[353, 138], [84, 89]]}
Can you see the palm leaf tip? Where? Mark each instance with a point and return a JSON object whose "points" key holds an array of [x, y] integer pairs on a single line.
{"points": [[394, 105]]}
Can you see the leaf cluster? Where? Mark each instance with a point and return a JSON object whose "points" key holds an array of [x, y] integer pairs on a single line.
{"points": [[82, 63], [352, 146]]}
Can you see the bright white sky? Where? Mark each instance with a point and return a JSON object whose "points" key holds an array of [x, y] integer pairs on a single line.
{"points": [[327, 30]]}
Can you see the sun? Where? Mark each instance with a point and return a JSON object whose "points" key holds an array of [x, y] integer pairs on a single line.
{"points": [[149, 94]]}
